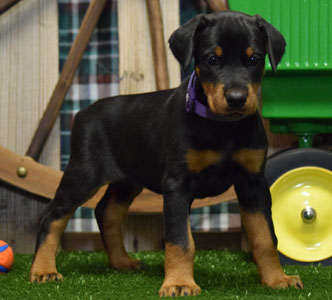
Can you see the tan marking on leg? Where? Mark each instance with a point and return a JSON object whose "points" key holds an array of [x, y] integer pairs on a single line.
{"points": [[179, 270], [249, 51], [215, 97], [218, 51], [112, 234], [250, 159], [198, 160], [265, 252], [44, 268]]}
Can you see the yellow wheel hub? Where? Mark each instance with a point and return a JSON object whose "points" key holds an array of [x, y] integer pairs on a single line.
{"points": [[302, 213]]}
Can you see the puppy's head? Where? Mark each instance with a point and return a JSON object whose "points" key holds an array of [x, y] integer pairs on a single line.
{"points": [[229, 51]]}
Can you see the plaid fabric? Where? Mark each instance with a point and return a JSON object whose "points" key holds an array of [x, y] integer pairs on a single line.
{"points": [[97, 77], [221, 217]]}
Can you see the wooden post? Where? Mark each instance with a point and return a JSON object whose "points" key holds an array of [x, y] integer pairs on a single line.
{"points": [[76, 52], [218, 5], [6, 4], [158, 44]]}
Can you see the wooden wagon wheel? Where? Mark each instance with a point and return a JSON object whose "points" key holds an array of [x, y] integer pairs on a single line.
{"points": [[26, 173]]}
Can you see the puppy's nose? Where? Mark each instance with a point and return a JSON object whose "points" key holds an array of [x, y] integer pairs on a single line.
{"points": [[236, 98]]}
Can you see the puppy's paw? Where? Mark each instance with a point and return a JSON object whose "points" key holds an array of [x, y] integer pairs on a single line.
{"points": [[42, 277], [179, 290], [285, 282], [127, 264]]}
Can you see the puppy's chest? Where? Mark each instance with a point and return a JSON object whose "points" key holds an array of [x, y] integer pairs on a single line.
{"points": [[215, 170], [249, 159]]}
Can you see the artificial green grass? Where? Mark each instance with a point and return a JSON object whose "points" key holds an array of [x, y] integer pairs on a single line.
{"points": [[220, 274]]}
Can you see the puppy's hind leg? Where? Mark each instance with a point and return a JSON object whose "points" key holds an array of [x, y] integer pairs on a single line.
{"points": [[110, 213], [75, 188]]}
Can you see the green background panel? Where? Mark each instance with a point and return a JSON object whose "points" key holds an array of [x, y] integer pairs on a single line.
{"points": [[291, 95], [304, 24], [301, 92]]}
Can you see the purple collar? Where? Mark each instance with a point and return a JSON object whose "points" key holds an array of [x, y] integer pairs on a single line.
{"points": [[198, 108]]}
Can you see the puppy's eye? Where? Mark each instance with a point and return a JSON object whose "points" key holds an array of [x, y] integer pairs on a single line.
{"points": [[254, 60], [213, 60]]}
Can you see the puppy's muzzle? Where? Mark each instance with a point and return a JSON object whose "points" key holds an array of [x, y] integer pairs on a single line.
{"points": [[236, 98]]}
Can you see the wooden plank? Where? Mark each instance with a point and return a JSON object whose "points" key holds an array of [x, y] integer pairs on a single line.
{"points": [[158, 44], [29, 55], [40, 179], [135, 54], [29, 68], [43, 181]]}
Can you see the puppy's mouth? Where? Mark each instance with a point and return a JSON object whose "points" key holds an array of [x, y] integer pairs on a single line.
{"points": [[235, 115], [232, 104]]}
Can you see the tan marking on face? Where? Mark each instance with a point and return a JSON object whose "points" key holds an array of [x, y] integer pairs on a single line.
{"points": [[215, 97], [251, 105], [179, 269], [249, 51], [265, 251], [218, 51], [250, 159], [198, 160]]}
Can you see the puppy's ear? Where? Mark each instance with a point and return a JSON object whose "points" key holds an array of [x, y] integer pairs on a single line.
{"points": [[275, 42], [182, 40]]}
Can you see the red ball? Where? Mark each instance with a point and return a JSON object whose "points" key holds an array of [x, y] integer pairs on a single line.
{"points": [[6, 257]]}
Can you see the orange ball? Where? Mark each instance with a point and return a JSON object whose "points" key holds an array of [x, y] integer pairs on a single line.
{"points": [[6, 257]]}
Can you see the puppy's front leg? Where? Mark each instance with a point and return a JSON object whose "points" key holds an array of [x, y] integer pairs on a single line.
{"points": [[179, 244], [255, 203]]}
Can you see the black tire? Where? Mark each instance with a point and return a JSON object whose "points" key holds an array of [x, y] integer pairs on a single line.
{"points": [[285, 161]]}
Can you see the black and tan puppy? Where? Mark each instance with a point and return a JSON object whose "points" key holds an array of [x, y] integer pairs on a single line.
{"points": [[190, 142]]}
